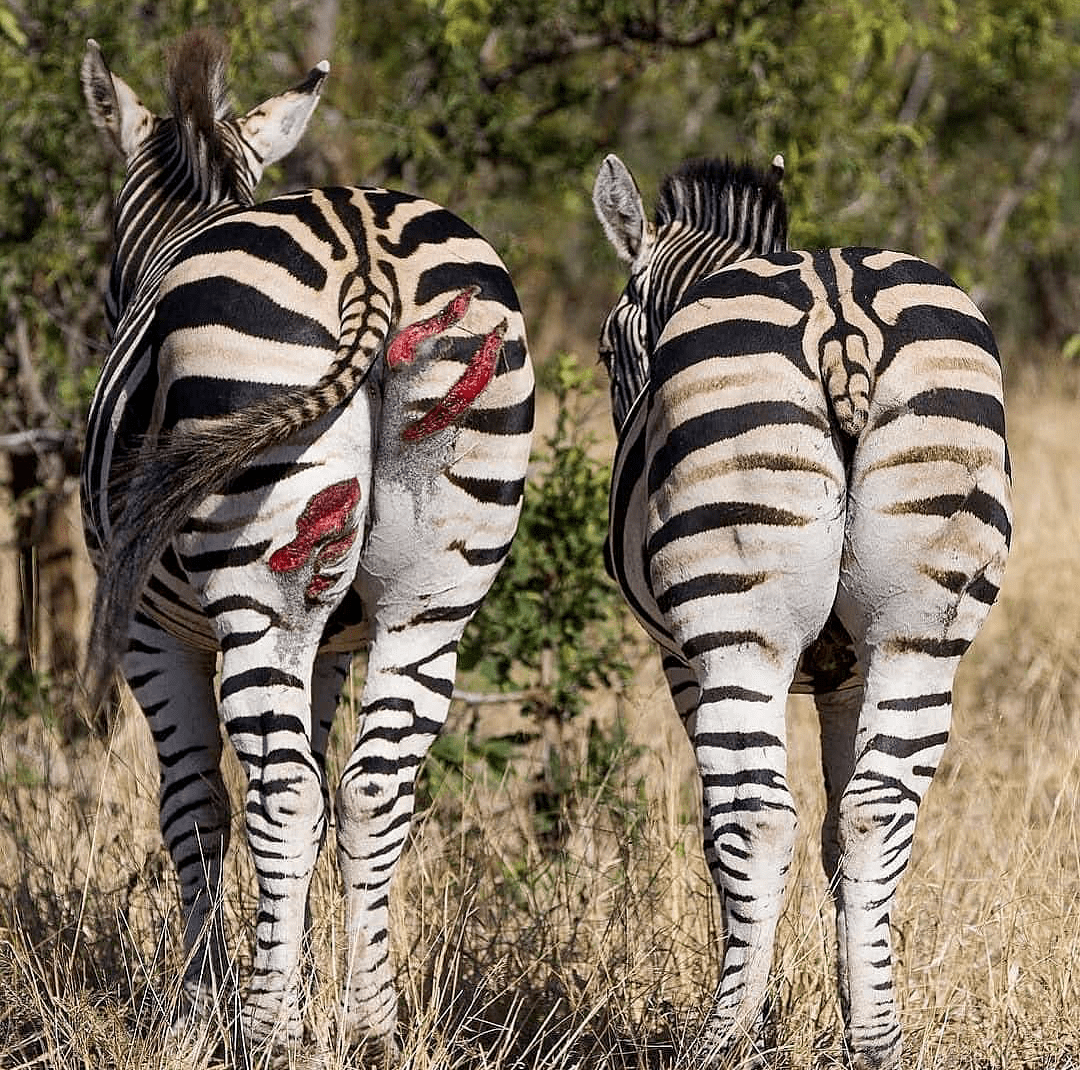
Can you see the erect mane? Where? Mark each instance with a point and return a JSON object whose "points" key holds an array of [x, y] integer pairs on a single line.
{"points": [[195, 79], [724, 198], [199, 98]]}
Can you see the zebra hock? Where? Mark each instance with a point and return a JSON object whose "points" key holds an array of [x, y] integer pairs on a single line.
{"points": [[811, 492], [310, 435]]}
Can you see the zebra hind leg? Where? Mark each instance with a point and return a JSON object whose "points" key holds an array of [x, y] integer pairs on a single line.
{"points": [[404, 705], [266, 705], [738, 733], [894, 761]]}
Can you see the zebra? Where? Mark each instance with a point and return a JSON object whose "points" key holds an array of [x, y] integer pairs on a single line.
{"points": [[310, 435], [810, 492]]}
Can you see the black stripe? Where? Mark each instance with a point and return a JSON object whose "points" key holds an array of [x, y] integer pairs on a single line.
{"points": [[936, 648], [222, 301], [445, 613], [732, 693], [263, 676], [514, 419], [261, 476], [304, 210], [717, 425], [453, 276], [266, 722], [708, 517], [229, 557], [898, 747], [484, 555], [434, 227], [489, 491], [737, 740], [236, 602], [918, 702], [982, 590], [727, 338], [701, 644], [629, 462], [195, 397], [706, 585], [971, 406], [266, 241]]}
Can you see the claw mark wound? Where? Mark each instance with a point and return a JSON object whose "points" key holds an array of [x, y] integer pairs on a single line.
{"points": [[464, 392], [325, 531], [403, 348]]}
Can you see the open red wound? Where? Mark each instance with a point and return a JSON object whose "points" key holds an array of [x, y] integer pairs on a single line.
{"points": [[464, 392], [403, 348], [474, 379], [325, 531]]}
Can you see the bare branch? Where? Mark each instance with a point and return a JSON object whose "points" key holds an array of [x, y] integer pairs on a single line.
{"points": [[633, 32], [1038, 159], [39, 441]]}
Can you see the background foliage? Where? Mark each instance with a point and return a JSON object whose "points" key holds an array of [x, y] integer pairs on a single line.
{"points": [[945, 128]]}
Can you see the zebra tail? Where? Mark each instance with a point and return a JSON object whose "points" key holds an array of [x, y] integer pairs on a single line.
{"points": [[166, 485], [848, 376]]}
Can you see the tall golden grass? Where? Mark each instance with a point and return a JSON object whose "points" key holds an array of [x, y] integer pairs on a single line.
{"points": [[604, 952]]}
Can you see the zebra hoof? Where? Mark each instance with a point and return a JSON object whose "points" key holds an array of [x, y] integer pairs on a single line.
{"points": [[376, 1053], [722, 1046]]}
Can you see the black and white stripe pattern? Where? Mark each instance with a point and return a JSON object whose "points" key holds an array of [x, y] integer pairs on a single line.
{"points": [[311, 434], [811, 492]]}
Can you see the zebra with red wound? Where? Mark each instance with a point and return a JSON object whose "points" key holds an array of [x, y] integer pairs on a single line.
{"points": [[310, 436]]}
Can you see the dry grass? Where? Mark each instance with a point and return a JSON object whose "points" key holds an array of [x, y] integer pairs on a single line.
{"points": [[602, 954]]}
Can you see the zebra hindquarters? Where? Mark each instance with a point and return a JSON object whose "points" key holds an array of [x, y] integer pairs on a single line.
{"points": [[929, 522], [446, 499], [269, 560], [744, 536]]}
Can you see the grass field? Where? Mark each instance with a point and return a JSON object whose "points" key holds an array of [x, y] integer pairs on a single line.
{"points": [[601, 951]]}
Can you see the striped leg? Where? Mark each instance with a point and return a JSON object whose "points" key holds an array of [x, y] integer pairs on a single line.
{"points": [[893, 764], [838, 714], [266, 708], [686, 694], [738, 735], [327, 680], [405, 701], [173, 684]]}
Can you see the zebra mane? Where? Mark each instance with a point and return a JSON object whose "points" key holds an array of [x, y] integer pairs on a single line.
{"points": [[728, 200], [199, 97]]}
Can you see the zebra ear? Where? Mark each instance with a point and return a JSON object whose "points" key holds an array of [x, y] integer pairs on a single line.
{"points": [[618, 206], [112, 103], [273, 129]]}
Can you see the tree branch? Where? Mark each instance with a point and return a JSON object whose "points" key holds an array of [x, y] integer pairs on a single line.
{"points": [[40, 440], [1040, 157]]}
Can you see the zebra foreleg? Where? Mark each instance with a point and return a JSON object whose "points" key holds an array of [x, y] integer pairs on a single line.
{"points": [[405, 702], [738, 734], [838, 714], [173, 684]]}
